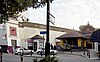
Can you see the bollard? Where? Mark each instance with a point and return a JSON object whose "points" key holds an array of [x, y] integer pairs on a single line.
{"points": [[89, 54], [84, 51], [0, 56], [41, 53], [31, 52], [71, 50], [21, 57]]}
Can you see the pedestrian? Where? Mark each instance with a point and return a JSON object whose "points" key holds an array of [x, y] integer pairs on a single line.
{"points": [[51, 47], [54, 47]]}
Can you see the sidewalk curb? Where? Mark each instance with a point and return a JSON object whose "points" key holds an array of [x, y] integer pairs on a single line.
{"points": [[35, 56], [39, 56]]}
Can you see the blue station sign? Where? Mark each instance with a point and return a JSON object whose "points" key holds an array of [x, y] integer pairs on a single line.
{"points": [[43, 32]]}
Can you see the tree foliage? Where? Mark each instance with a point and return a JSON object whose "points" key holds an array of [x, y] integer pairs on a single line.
{"points": [[86, 27], [10, 8], [82, 27]]}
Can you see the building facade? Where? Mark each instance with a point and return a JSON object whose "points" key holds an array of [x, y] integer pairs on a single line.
{"points": [[3, 37], [31, 29], [17, 34]]}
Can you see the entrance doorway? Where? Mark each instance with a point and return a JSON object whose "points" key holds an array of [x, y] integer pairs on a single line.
{"points": [[14, 44], [35, 46]]}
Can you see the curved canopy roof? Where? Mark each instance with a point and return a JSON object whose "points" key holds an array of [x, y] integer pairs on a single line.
{"points": [[36, 37]]}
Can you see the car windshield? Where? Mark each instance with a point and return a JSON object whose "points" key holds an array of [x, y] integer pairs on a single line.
{"points": [[43, 48], [21, 49], [25, 49]]}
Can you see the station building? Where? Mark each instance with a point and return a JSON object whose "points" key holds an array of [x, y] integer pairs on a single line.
{"points": [[73, 40]]}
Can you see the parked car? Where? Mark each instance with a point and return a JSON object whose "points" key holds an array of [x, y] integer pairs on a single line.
{"points": [[42, 51], [53, 52], [19, 51]]}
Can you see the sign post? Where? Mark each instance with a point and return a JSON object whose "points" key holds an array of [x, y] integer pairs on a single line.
{"points": [[47, 44]]}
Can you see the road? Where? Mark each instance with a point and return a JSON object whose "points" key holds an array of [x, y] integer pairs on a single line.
{"points": [[61, 57], [15, 58]]}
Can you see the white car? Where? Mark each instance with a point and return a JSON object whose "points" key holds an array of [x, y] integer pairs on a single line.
{"points": [[53, 52], [42, 51], [19, 51]]}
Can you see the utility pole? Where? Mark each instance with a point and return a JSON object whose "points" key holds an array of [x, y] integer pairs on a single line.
{"points": [[47, 44]]}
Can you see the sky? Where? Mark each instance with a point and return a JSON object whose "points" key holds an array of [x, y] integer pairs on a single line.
{"points": [[68, 13]]}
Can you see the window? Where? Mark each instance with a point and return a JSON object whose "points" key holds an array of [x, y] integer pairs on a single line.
{"points": [[13, 31]]}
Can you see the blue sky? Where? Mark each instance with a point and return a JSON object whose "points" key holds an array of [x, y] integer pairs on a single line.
{"points": [[68, 13]]}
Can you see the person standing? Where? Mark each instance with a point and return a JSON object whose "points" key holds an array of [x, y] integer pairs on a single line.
{"points": [[55, 47], [51, 47]]}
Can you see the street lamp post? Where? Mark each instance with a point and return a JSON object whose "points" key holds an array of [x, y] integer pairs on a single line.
{"points": [[47, 44]]}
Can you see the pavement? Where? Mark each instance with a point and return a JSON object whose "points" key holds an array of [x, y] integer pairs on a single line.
{"points": [[81, 53]]}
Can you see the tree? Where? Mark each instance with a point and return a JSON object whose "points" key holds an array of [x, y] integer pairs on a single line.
{"points": [[11, 8], [82, 27], [86, 28]]}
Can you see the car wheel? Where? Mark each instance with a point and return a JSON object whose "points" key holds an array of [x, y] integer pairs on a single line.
{"points": [[16, 53], [52, 53], [19, 53], [38, 53]]}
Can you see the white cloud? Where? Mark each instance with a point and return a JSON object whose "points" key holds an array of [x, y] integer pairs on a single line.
{"points": [[69, 13]]}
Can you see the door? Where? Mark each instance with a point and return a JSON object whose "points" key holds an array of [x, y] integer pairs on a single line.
{"points": [[14, 44], [35, 46]]}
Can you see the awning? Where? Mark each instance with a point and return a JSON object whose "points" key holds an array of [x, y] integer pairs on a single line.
{"points": [[95, 37], [37, 37]]}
